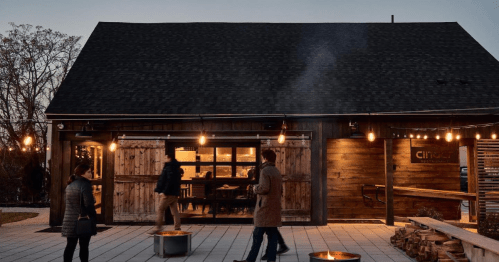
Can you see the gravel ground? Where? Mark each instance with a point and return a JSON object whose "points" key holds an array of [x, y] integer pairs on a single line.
{"points": [[41, 219]]}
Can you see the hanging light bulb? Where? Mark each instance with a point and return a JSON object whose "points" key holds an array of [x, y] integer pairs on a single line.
{"points": [[28, 140], [10, 149], [202, 138], [493, 136], [438, 137], [282, 137], [425, 137], [458, 137], [37, 149], [48, 148], [113, 145], [371, 136], [418, 136], [411, 136], [24, 149], [477, 136], [448, 136]]}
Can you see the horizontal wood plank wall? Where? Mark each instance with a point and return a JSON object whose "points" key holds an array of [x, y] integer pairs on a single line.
{"points": [[137, 167], [293, 161], [354, 162]]}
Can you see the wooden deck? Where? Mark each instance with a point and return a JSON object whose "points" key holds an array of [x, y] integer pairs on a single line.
{"points": [[210, 243]]}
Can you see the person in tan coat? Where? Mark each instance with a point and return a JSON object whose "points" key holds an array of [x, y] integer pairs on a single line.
{"points": [[267, 216]]}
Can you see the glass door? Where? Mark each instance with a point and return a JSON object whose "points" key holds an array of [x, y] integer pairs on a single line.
{"points": [[92, 154], [217, 179]]}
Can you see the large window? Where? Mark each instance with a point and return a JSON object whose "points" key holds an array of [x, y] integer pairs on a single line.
{"points": [[217, 178]]}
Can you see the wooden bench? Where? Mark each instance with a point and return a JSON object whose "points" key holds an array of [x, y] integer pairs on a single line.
{"points": [[432, 193], [477, 247]]}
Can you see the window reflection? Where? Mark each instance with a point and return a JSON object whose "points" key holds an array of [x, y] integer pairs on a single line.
{"points": [[246, 154], [245, 172], [224, 171], [224, 154]]}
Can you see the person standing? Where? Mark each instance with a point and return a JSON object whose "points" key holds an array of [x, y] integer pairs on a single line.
{"points": [[168, 187], [79, 201], [267, 215]]}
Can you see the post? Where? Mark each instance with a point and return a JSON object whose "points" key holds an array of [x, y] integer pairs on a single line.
{"points": [[472, 178], [389, 182]]}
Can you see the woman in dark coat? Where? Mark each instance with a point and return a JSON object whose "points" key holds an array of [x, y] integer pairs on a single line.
{"points": [[79, 200]]}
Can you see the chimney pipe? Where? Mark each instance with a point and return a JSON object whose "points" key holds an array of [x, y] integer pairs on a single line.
{"points": [[393, 18]]}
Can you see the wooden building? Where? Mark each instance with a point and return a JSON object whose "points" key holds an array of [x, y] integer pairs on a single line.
{"points": [[153, 89]]}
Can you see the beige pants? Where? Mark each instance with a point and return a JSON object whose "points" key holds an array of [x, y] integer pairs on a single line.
{"points": [[166, 201]]}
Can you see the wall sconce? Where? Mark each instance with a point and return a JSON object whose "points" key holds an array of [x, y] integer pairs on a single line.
{"points": [[113, 145], [282, 137]]}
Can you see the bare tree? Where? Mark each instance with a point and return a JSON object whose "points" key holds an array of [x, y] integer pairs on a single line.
{"points": [[33, 63]]}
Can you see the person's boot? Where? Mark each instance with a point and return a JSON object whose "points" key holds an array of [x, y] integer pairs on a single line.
{"points": [[282, 249]]}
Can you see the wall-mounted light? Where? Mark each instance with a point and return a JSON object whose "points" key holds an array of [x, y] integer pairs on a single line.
{"points": [[113, 145], [371, 136], [60, 126]]}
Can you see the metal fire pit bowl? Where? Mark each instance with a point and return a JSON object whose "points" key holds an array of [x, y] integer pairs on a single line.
{"points": [[338, 256], [172, 243]]}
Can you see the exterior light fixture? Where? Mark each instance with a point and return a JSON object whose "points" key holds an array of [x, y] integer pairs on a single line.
{"points": [[24, 149], [282, 137], [10, 149], [84, 133], [418, 136], [493, 136], [425, 137], [448, 136], [113, 145], [438, 137], [60, 126], [37, 149], [28, 140], [477, 136], [371, 136], [202, 138], [48, 148], [411, 135], [458, 137]]}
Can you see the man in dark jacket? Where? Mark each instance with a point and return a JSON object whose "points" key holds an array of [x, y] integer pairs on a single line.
{"points": [[168, 187]]}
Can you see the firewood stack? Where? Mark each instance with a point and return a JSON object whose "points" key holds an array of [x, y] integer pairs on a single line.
{"points": [[428, 245]]}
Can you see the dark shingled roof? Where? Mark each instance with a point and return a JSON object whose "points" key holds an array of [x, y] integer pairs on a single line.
{"points": [[277, 68]]}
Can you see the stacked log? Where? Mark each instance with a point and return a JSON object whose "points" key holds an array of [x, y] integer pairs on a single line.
{"points": [[428, 245]]}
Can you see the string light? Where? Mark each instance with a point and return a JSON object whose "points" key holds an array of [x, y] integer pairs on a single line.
{"points": [[438, 137], [418, 136], [28, 140], [202, 138], [448, 136], [411, 135], [282, 137], [477, 136], [493, 136], [425, 137]]}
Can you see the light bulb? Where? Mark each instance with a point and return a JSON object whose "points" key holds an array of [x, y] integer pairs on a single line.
{"points": [[202, 140], [425, 137], [28, 140], [448, 136], [281, 139], [494, 136], [458, 137], [411, 136], [418, 136], [112, 147], [371, 136], [477, 136], [438, 137]]}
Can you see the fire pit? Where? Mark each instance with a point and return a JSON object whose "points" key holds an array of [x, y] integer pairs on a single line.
{"points": [[333, 256], [171, 243]]}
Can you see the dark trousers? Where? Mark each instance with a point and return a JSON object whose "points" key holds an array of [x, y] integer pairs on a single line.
{"points": [[71, 246], [258, 232], [280, 241]]}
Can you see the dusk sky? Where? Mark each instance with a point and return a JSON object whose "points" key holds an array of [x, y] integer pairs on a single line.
{"points": [[480, 18]]}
